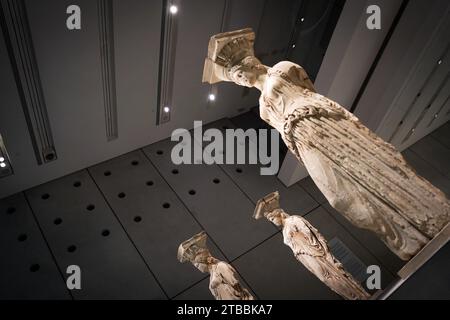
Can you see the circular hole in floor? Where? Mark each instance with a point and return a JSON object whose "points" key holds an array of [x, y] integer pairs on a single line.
{"points": [[10, 210], [238, 170], [149, 183], [71, 248], [192, 192], [216, 180], [107, 173], [137, 219], [160, 152], [121, 195], [105, 233], [57, 221], [134, 163], [90, 207], [45, 196], [166, 205], [175, 171], [22, 237], [77, 184], [35, 267]]}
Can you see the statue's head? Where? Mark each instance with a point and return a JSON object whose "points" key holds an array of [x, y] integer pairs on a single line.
{"points": [[231, 58], [246, 72], [269, 207], [277, 217], [202, 260], [196, 251]]}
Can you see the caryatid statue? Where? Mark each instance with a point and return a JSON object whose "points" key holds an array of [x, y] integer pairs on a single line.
{"points": [[223, 281], [310, 248], [363, 177]]}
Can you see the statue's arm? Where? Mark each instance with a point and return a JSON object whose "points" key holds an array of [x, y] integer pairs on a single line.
{"points": [[305, 80], [224, 274]]}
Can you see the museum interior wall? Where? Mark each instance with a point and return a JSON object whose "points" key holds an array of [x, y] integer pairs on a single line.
{"points": [[79, 122], [85, 122]]}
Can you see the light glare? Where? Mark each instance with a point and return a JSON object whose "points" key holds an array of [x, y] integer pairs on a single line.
{"points": [[173, 9]]}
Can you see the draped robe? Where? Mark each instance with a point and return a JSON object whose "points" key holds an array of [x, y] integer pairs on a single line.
{"points": [[363, 177]]}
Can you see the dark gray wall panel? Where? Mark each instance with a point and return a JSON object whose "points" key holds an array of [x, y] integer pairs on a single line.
{"points": [[111, 267], [220, 208], [443, 134], [161, 230], [27, 268], [70, 69], [137, 28], [199, 291], [309, 186], [427, 171], [256, 186], [430, 282], [434, 153]]}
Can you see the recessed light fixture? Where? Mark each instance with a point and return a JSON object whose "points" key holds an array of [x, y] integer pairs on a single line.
{"points": [[173, 9], [2, 159], [212, 97], [166, 109], [293, 46], [302, 19], [2, 164], [440, 62]]}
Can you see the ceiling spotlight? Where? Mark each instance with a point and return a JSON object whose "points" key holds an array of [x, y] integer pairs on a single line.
{"points": [[440, 61], [2, 159], [166, 109], [173, 9], [293, 46], [211, 97], [2, 164], [302, 19]]}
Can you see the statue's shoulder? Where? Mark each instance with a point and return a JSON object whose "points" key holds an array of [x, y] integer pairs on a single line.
{"points": [[293, 73], [285, 66]]}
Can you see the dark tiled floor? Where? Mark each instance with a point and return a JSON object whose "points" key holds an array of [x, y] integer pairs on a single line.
{"points": [[121, 221]]}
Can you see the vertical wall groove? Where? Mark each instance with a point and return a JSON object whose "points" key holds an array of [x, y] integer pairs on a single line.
{"points": [[106, 33], [166, 62], [16, 30]]}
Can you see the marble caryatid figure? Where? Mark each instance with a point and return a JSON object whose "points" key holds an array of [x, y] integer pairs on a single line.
{"points": [[223, 281], [363, 177], [310, 248]]}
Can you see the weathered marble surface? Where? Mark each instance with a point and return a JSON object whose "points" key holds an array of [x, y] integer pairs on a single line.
{"points": [[363, 177], [223, 281]]}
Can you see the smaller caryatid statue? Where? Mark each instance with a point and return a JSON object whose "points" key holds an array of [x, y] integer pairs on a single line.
{"points": [[223, 281], [310, 248]]}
